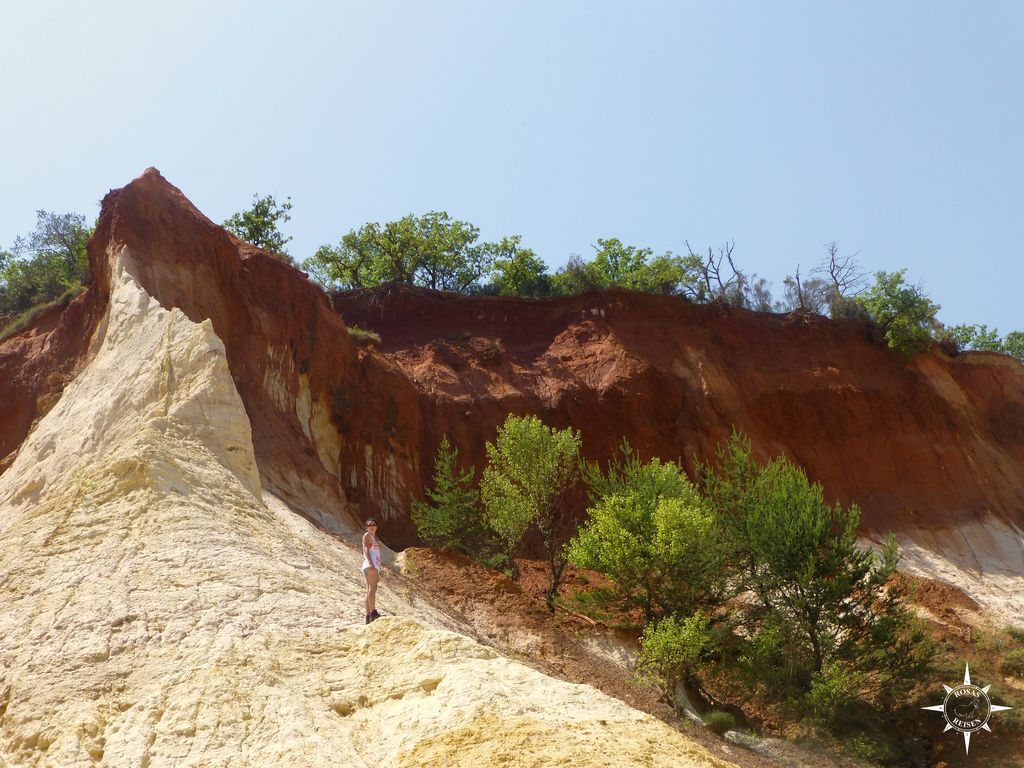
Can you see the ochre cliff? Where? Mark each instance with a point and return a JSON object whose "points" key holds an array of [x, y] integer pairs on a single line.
{"points": [[931, 448], [160, 606]]}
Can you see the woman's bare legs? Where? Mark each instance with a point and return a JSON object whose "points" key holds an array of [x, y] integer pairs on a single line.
{"points": [[372, 577]]}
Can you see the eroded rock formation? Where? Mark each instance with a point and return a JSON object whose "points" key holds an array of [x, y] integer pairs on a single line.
{"points": [[931, 448], [161, 606]]}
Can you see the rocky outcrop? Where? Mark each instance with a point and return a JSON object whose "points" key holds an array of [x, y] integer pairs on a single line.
{"points": [[162, 606]]}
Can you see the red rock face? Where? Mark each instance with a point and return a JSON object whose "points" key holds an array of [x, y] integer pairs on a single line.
{"points": [[925, 443], [345, 431], [36, 365]]}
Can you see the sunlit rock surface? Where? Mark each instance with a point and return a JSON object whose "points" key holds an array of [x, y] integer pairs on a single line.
{"points": [[160, 607]]}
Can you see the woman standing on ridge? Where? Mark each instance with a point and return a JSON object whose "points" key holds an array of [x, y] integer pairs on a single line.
{"points": [[371, 568]]}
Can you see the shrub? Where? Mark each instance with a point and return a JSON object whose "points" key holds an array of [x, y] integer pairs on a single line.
{"points": [[974, 337], [846, 307], [674, 648], [1013, 344], [903, 313], [832, 689], [1013, 664], [653, 537], [363, 337], [26, 318], [720, 722]]}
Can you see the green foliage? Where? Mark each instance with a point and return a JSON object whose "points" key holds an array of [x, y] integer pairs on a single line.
{"points": [[577, 276], [648, 532], [669, 274], [530, 467], [616, 265], [979, 337], [258, 225], [26, 318], [975, 337], [1013, 664], [43, 265], [363, 336], [517, 271], [903, 313], [847, 308], [823, 608], [673, 649], [628, 473], [451, 518], [434, 251], [1013, 344], [720, 722], [832, 689], [878, 749]]}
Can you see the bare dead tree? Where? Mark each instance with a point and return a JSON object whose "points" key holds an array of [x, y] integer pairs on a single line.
{"points": [[806, 294], [799, 289], [843, 272], [717, 282]]}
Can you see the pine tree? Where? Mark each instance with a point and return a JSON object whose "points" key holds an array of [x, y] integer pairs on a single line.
{"points": [[451, 518]]}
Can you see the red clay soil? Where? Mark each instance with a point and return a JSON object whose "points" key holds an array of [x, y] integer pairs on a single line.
{"points": [[37, 363], [931, 442]]}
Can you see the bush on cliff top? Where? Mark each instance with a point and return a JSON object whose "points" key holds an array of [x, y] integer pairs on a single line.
{"points": [[44, 265]]}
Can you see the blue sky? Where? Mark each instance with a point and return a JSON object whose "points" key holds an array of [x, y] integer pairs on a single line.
{"points": [[893, 128]]}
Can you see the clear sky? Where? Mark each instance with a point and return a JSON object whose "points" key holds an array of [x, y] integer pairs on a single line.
{"points": [[893, 128]]}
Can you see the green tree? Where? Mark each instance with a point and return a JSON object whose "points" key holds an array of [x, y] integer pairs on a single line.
{"points": [[517, 271], [674, 649], [975, 337], [648, 532], [41, 266], [530, 467], [451, 518], [258, 225], [59, 239], [1013, 344], [577, 276], [903, 313], [434, 251], [824, 608], [669, 274], [617, 264], [452, 261]]}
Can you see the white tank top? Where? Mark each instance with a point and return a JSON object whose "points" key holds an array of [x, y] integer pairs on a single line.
{"points": [[374, 552]]}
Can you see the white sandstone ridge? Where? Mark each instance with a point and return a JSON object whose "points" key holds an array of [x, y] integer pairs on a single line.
{"points": [[158, 608]]}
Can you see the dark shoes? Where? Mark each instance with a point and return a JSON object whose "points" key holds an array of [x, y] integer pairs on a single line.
{"points": [[372, 615]]}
